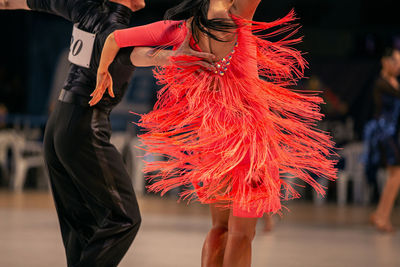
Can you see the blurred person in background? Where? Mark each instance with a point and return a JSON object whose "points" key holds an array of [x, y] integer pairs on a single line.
{"points": [[268, 223], [228, 133], [382, 137], [3, 116], [97, 208], [334, 107]]}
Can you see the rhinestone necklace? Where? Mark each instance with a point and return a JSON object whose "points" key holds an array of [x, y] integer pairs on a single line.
{"points": [[223, 64]]}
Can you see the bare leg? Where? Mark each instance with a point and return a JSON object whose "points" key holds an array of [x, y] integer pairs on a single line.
{"points": [[240, 236], [381, 217], [268, 224], [214, 245]]}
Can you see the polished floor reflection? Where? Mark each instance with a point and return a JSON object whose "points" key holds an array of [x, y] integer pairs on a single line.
{"points": [[172, 236]]}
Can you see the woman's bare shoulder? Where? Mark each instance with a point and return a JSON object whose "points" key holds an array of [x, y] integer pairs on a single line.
{"points": [[244, 8], [220, 9]]}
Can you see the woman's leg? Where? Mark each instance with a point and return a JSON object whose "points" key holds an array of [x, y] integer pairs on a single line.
{"points": [[214, 245], [241, 233], [268, 223], [381, 217]]}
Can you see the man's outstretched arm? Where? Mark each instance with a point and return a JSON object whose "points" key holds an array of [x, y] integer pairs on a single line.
{"points": [[71, 10], [13, 4]]}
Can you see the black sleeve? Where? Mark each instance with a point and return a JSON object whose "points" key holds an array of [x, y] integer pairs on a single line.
{"points": [[377, 97], [124, 56], [382, 87], [385, 88], [71, 10]]}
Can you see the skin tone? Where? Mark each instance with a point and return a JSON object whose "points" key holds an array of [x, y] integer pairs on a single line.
{"points": [[268, 223], [381, 217], [13, 4], [134, 5], [141, 56], [218, 8], [229, 241], [228, 244]]}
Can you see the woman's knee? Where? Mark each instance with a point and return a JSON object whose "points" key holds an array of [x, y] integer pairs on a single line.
{"points": [[241, 236], [242, 228], [219, 229]]}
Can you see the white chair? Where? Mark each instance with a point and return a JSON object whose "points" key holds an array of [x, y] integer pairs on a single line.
{"points": [[353, 171], [26, 155]]}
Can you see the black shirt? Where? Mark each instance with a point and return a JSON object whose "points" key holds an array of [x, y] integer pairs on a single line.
{"points": [[386, 97], [101, 18]]}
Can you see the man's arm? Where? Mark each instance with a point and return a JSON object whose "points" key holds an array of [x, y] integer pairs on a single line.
{"points": [[68, 9], [13, 4]]}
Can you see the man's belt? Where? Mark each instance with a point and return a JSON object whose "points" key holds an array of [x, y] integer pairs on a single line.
{"points": [[73, 98]]}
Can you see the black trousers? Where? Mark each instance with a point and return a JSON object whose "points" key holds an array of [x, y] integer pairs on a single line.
{"points": [[96, 205]]}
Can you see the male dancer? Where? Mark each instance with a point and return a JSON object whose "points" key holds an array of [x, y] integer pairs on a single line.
{"points": [[96, 205]]}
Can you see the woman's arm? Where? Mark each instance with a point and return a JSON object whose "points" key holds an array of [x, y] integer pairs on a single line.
{"points": [[146, 56], [108, 54], [143, 56], [245, 8], [104, 79], [161, 33], [155, 34], [13, 4]]}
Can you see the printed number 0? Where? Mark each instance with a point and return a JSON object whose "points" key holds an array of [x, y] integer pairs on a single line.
{"points": [[76, 47]]}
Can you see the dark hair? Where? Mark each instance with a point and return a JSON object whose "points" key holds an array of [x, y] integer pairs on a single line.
{"points": [[388, 52], [198, 9]]}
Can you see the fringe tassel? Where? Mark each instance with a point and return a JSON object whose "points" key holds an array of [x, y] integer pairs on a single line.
{"points": [[239, 140]]}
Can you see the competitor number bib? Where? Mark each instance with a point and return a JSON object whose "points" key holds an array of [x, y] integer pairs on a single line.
{"points": [[80, 51]]}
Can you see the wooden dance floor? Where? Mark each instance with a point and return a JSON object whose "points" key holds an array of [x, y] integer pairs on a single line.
{"points": [[172, 234]]}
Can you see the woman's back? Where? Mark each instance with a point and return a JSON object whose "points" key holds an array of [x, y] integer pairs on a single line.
{"points": [[218, 9], [231, 135]]}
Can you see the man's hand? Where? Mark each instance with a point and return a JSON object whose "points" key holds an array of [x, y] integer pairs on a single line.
{"points": [[13, 4]]}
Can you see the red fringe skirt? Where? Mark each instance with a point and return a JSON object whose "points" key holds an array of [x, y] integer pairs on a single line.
{"points": [[242, 139]]}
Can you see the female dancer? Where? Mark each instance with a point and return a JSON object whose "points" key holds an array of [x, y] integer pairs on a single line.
{"points": [[386, 128], [228, 134]]}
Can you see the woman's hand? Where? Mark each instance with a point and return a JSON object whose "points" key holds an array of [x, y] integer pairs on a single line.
{"points": [[104, 79], [104, 82], [205, 59]]}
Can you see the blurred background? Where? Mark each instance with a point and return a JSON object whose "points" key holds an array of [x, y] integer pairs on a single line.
{"points": [[343, 42]]}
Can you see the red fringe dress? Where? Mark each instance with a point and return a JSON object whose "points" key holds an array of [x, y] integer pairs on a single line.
{"points": [[239, 137]]}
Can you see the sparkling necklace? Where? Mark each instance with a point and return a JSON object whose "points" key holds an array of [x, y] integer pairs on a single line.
{"points": [[223, 64]]}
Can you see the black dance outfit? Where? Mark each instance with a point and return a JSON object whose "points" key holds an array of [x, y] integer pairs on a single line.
{"points": [[381, 133], [96, 205]]}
